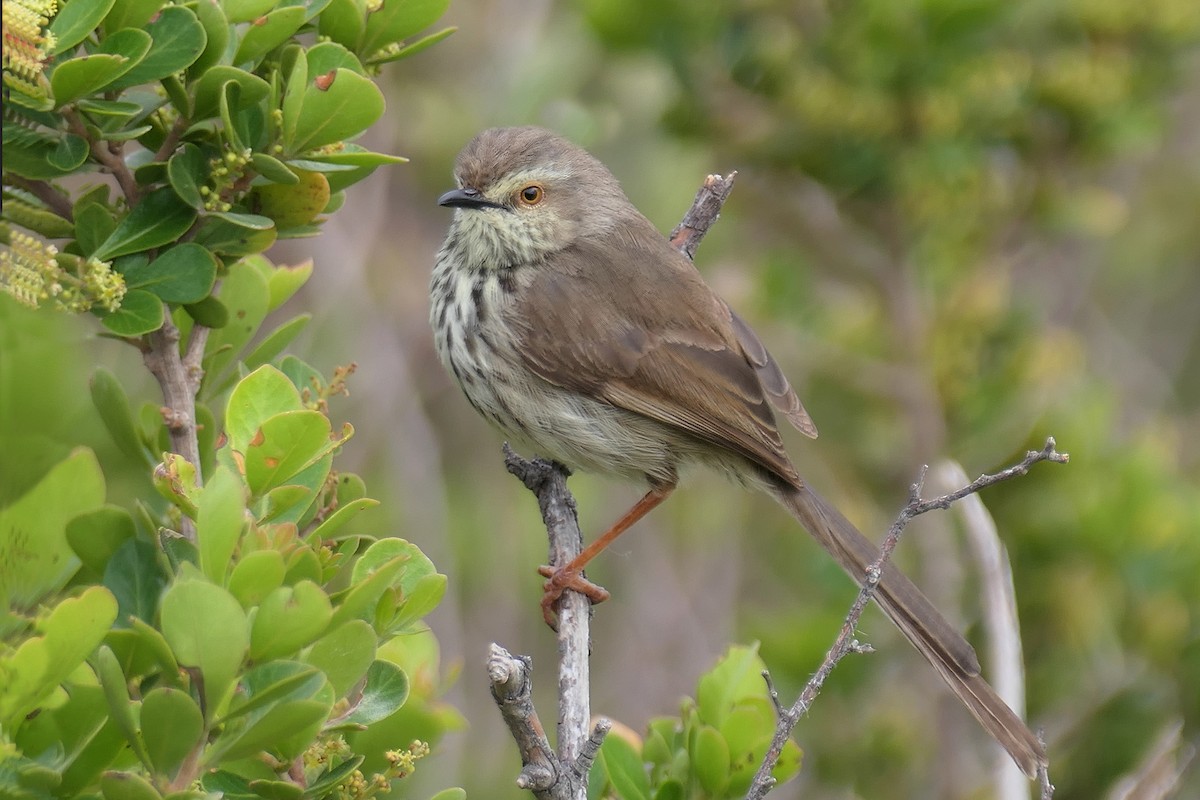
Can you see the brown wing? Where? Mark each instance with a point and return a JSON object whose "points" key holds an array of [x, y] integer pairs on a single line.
{"points": [[645, 333]]}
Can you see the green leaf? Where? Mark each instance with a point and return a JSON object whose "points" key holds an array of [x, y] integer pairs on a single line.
{"points": [[112, 112], [267, 32], [336, 105], [110, 400], [69, 153], [95, 535], [283, 503], [172, 727], [256, 575], [283, 446], [344, 654], [344, 22], [236, 234], [160, 218], [179, 39], [244, 292], [257, 398], [358, 601], [68, 635], [423, 598], [736, 676], [184, 273], [81, 76], [115, 685], [136, 579], [412, 48], [211, 87], [619, 765], [710, 757], [386, 691], [209, 312], [140, 312], [330, 778], [354, 155], [273, 169], [127, 786], [328, 529], [273, 343], [289, 618], [130, 14], [247, 10], [304, 704], [187, 171], [220, 519], [271, 683], [35, 559], [93, 224], [417, 564], [395, 21], [75, 21], [216, 29], [206, 628], [325, 56], [149, 647], [277, 790], [284, 281], [453, 793]]}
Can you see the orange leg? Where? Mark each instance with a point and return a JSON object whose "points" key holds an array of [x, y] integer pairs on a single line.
{"points": [[569, 575]]}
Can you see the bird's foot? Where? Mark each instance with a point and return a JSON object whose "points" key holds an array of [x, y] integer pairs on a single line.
{"points": [[559, 580]]}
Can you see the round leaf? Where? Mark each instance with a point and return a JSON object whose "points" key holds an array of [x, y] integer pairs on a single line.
{"points": [[288, 619], [284, 445], [75, 22], [256, 575], [187, 171], [257, 398], [172, 727], [710, 757], [386, 691], [336, 105], [396, 21], [183, 274], [220, 518], [179, 39], [207, 629], [344, 654], [140, 312], [160, 218], [267, 32]]}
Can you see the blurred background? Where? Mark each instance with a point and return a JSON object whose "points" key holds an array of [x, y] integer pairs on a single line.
{"points": [[960, 225]]}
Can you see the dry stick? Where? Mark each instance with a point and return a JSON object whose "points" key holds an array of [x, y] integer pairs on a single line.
{"points": [[178, 375], [564, 776], [846, 643], [550, 776]]}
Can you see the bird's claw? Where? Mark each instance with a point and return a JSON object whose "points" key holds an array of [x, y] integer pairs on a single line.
{"points": [[558, 581]]}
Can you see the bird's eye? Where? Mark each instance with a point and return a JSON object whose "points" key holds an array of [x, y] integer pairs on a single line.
{"points": [[532, 194]]}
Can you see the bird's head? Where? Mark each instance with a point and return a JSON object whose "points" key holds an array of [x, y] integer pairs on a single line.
{"points": [[526, 193]]}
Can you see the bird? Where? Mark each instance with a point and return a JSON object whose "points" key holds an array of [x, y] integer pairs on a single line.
{"points": [[571, 324]]}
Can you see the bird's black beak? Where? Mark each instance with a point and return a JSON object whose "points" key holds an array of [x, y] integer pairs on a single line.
{"points": [[466, 198]]}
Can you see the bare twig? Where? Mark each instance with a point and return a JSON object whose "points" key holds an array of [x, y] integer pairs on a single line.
{"points": [[845, 642], [577, 746], [109, 155], [705, 210], [179, 378], [998, 601]]}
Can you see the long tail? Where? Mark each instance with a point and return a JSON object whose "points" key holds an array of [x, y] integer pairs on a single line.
{"points": [[945, 648]]}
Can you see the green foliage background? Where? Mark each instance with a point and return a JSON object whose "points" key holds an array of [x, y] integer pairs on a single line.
{"points": [[961, 227]]}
